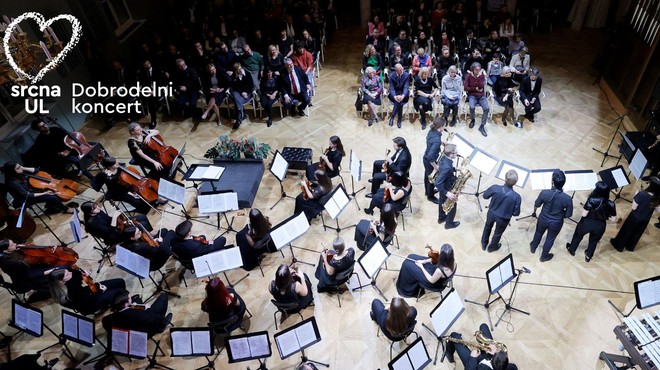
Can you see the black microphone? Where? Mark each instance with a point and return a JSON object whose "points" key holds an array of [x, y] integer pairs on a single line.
{"points": [[458, 155], [525, 269]]}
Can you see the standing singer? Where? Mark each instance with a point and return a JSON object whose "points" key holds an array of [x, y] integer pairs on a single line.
{"points": [[556, 207]]}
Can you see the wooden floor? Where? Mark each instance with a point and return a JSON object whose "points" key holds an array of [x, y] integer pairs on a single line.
{"points": [[571, 320]]}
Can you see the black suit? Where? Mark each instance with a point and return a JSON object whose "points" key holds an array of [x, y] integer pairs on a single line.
{"points": [[187, 100], [526, 92], [151, 321], [187, 249], [302, 95], [147, 77], [401, 163], [444, 183]]}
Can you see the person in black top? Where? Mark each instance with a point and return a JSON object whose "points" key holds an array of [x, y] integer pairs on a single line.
{"points": [[68, 288], [187, 87], [433, 142], [368, 232], [269, 90], [17, 185], [24, 277], [150, 318], [148, 75], [504, 204], [400, 161], [142, 154], [398, 187], [103, 226], [222, 302], [530, 89], [444, 184], [426, 89], [492, 359], [418, 272], [186, 246], [556, 207], [333, 263], [644, 204], [503, 91], [331, 158], [309, 200], [396, 321], [254, 239], [214, 86], [291, 286], [242, 86], [116, 190], [157, 255], [597, 209]]}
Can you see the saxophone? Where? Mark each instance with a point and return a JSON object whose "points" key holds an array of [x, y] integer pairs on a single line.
{"points": [[434, 173], [463, 175], [482, 343]]}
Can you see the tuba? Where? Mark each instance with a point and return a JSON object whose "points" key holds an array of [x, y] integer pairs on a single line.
{"points": [[434, 173], [463, 175], [481, 342]]}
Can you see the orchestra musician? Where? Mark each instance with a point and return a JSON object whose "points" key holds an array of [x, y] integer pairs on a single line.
{"points": [[24, 277], [222, 302], [368, 232], [504, 204], [491, 359], [313, 192], [156, 249], [433, 142], [188, 246], [644, 204], [18, 187], [400, 161], [332, 263], [291, 286], [396, 321], [67, 286], [556, 207], [444, 184], [254, 239], [140, 152], [117, 190], [398, 187], [130, 314], [103, 226], [419, 272], [330, 159]]}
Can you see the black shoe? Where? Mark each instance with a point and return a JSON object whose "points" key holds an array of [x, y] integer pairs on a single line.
{"points": [[453, 122], [269, 122], [449, 357], [301, 112], [614, 245], [369, 211], [153, 125], [391, 122], [136, 299], [236, 125], [72, 205], [441, 220], [532, 248], [491, 250], [471, 124], [244, 117], [398, 124], [657, 225], [369, 195], [504, 122], [371, 314], [370, 122], [548, 258], [531, 118], [482, 129], [568, 248], [424, 126], [433, 200], [587, 258], [452, 225]]}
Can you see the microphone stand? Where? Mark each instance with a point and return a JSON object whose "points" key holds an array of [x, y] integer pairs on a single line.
{"points": [[507, 304], [606, 153]]}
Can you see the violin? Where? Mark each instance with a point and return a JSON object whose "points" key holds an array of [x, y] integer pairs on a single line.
{"points": [[322, 165], [64, 189], [87, 279], [433, 254], [139, 307], [164, 153], [302, 187], [386, 164], [200, 239], [386, 195], [330, 254], [294, 274], [9, 220], [146, 187]]}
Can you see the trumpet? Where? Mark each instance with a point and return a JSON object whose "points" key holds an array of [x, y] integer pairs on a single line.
{"points": [[481, 342], [434, 173]]}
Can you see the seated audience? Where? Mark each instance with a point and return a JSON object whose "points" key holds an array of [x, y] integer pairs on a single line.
{"points": [[520, 64], [214, 87], [451, 93], [474, 85], [295, 88], [530, 91], [505, 94], [426, 89], [269, 90], [242, 87], [372, 90]]}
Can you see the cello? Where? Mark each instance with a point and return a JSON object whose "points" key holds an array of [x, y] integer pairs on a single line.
{"points": [[9, 220], [165, 154], [146, 187], [64, 189], [55, 256]]}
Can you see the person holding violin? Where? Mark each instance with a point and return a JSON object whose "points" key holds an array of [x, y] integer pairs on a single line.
{"points": [[368, 232], [291, 286], [117, 190], [396, 192], [24, 276], [419, 272], [254, 239], [17, 185], [188, 246], [400, 161], [330, 160], [129, 313], [309, 201], [156, 249], [333, 262], [105, 227], [222, 302], [138, 145], [72, 287]]}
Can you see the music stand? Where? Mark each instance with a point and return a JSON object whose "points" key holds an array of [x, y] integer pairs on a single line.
{"points": [[579, 180], [76, 228], [297, 338], [415, 357], [484, 163], [615, 178], [19, 222], [287, 231], [133, 344], [220, 201], [193, 342], [138, 266], [220, 261], [75, 328], [335, 205], [645, 295], [279, 167], [463, 147], [203, 172], [523, 173], [443, 316], [606, 153], [371, 262], [355, 167], [542, 179], [175, 164], [248, 347], [90, 157], [498, 276]]}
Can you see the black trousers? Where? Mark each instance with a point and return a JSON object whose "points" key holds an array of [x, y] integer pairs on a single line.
{"points": [[378, 177], [500, 225], [553, 227], [448, 217], [429, 188], [595, 229], [462, 350], [532, 108]]}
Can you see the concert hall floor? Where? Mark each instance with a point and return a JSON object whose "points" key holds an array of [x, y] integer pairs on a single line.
{"points": [[571, 320]]}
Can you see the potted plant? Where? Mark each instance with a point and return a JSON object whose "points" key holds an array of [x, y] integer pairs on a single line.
{"points": [[232, 148]]}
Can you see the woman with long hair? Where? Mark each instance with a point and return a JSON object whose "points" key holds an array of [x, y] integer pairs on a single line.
{"points": [[331, 158], [368, 232], [320, 186], [254, 239], [222, 302], [396, 321], [19, 188], [291, 286], [418, 272], [398, 186], [333, 263], [373, 59], [24, 277], [644, 204], [67, 287], [269, 89]]}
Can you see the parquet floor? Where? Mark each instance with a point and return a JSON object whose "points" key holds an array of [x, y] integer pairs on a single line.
{"points": [[571, 320]]}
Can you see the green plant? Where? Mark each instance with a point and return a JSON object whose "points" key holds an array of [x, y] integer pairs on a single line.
{"points": [[232, 148]]}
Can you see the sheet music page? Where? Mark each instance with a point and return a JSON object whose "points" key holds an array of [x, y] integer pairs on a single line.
{"points": [[213, 172], [20, 316], [649, 293], [541, 180], [181, 344], [402, 363], [214, 203], [523, 174], [141, 267], [463, 147], [638, 164], [450, 308], [418, 355], [122, 257], [259, 345], [279, 166], [224, 260], [202, 266], [201, 342], [199, 172], [355, 167], [339, 200], [119, 341], [137, 344], [620, 178], [280, 237], [373, 259], [240, 348], [172, 191], [298, 225], [506, 271], [483, 162], [288, 343], [86, 331], [69, 326], [495, 278], [306, 334], [34, 321], [580, 181], [332, 208]]}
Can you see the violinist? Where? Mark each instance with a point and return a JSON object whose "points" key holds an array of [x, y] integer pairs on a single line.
{"points": [[188, 246], [134, 241], [418, 272], [401, 161], [72, 287], [291, 286], [150, 318], [24, 277], [368, 232], [103, 226], [138, 146], [18, 187], [254, 239], [330, 160], [116, 190], [333, 262], [309, 201], [222, 302], [398, 189]]}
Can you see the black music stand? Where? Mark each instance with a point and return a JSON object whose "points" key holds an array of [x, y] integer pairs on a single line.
{"points": [[616, 178], [606, 153], [139, 267], [371, 262], [335, 204], [229, 259], [415, 357], [298, 336], [279, 167], [355, 167], [177, 163], [248, 347], [443, 316], [484, 163], [219, 202], [193, 342], [287, 231]]}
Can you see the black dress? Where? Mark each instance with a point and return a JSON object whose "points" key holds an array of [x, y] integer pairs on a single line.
{"points": [[24, 277], [411, 280], [313, 206], [134, 146], [250, 254], [334, 157], [366, 240], [339, 265], [290, 296], [634, 226], [427, 87], [82, 297], [397, 205]]}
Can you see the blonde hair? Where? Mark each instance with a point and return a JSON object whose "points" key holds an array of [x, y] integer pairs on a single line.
{"points": [[367, 49]]}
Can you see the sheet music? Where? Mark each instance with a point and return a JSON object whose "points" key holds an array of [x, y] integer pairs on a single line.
{"points": [[137, 344], [132, 262], [337, 202], [172, 191], [287, 343], [523, 173], [216, 203], [240, 348], [19, 222], [373, 259], [201, 342], [576, 181], [463, 147], [448, 311], [649, 293], [638, 164], [216, 262], [259, 345], [483, 161], [418, 355], [355, 166], [279, 166], [620, 178], [289, 231], [86, 331], [76, 229], [541, 179], [119, 341], [181, 343], [506, 270], [495, 278], [207, 172], [306, 334], [70, 326], [402, 363]]}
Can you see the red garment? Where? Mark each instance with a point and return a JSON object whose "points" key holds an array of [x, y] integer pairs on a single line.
{"points": [[471, 84], [304, 60]]}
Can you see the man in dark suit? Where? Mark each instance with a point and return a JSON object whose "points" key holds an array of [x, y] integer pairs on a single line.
{"points": [[490, 359], [504, 204], [399, 93], [187, 86], [186, 246], [295, 87], [147, 75], [242, 86], [530, 88], [152, 320], [400, 161], [444, 184], [557, 206]]}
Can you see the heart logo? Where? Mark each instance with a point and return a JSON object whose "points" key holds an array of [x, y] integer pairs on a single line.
{"points": [[43, 24]]}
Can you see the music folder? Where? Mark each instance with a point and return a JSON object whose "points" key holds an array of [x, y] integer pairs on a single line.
{"points": [[500, 274], [251, 346], [279, 166], [132, 262], [172, 190], [128, 343], [542, 179], [26, 318], [445, 314], [414, 357], [647, 292], [337, 201], [614, 177], [77, 328], [201, 172], [191, 342], [373, 259]]}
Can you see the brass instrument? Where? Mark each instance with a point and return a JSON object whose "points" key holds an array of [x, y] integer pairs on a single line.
{"points": [[463, 175], [481, 342], [434, 173]]}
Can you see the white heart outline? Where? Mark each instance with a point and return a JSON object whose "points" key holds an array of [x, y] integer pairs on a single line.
{"points": [[43, 24]]}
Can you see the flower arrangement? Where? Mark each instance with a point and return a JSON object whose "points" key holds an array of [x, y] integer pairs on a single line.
{"points": [[232, 148]]}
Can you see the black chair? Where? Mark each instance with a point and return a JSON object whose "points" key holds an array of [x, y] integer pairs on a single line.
{"points": [[19, 294], [187, 266], [448, 283], [342, 278], [407, 204], [223, 327], [409, 331], [286, 309], [261, 244]]}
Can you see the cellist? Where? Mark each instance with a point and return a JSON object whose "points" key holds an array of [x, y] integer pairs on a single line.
{"points": [[105, 227], [18, 187], [137, 145], [24, 276], [157, 254]]}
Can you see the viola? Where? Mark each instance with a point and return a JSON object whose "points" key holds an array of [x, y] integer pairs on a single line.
{"points": [[64, 189], [322, 165], [330, 254], [124, 221], [9, 220], [433, 254], [164, 153], [146, 187], [87, 279], [386, 164], [302, 187], [386, 195]]}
